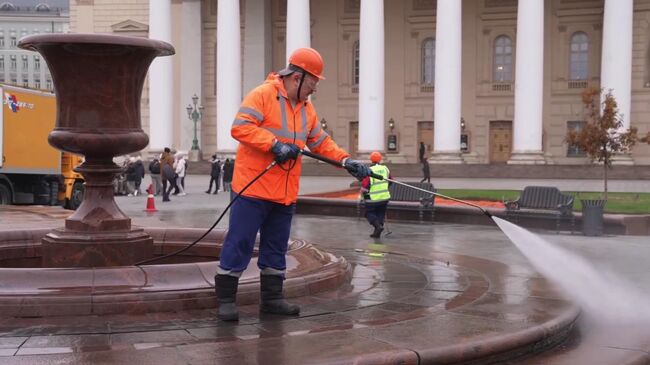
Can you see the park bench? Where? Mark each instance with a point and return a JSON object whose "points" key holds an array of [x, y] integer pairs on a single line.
{"points": [[401, 193], [542, 202]]}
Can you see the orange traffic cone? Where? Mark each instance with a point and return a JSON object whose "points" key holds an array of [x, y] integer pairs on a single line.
{"points": [[151, 204]]}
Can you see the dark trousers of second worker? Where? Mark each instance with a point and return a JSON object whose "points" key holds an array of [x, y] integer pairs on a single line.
{"points": [[375, 214]]}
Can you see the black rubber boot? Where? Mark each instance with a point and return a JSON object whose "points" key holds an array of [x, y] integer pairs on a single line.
{"points": [[226, 289], [272, 300], [378, 229]]}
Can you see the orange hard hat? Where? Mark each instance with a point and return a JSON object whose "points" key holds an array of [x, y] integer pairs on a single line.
{"points": [[307, 59], [375, 157]]}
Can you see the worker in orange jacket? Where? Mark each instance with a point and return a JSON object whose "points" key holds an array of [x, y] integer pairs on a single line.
{"points": [[275, 121]]}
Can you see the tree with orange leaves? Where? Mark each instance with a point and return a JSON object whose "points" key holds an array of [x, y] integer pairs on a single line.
{"points": [[603, 135]]}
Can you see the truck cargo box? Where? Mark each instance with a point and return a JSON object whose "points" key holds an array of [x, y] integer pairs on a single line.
{"points": [[26, 119], [32, 171]]}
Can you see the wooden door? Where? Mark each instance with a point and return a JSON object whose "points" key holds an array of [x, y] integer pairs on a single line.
{"points": [[500, 141], [425, 134], [354, 139]]}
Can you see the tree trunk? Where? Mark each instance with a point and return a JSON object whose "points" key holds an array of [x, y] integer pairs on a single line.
{"points": [[605, 165]]}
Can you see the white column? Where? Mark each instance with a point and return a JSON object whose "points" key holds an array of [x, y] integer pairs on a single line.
{"points": [[190, 54], [616, 72], [529, 78], [257, 43], [298, 25], [228, 72], [161, 81], [371, 76], [448, 66]]}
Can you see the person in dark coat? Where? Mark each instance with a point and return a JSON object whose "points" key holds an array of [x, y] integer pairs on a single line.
{"points": [[215, 173], [156, 181], [228, 168], [426, 173], [139, 175], [421, 152]]}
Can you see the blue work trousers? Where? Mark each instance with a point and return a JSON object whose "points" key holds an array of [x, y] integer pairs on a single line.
{"points": [[247, 217], [376, 211]]}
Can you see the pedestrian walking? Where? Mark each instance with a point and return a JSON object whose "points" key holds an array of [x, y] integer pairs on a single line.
{"points": [[179, 167], [139, 175], [187, 165], [154, 172], [228, 169], [426, 173], [221, 177], [265, 134], [119, 180], [131, 175], [167, 173], [215, 173], [422, 152]]}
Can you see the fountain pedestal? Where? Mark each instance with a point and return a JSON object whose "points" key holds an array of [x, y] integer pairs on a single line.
{"points": [[98, 233], [98, 79]]}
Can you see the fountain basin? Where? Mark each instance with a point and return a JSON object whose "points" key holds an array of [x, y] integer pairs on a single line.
{"points": [[182, 283]]}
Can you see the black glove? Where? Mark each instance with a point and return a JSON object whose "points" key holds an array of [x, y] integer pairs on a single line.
{"points": [[356, 168], [285, 151]]}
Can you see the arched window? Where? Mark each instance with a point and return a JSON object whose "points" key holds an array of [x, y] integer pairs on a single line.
{"points": [[428, 61], [579, 57], [503, 59], [42, 7], [7, 6], [355, 63]]}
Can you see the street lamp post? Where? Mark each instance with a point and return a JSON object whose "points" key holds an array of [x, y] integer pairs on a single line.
{"points": [[195, 113]]}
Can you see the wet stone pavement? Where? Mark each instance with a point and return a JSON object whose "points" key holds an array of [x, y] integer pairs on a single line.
{"points": [[394, 308], [440, 293]]}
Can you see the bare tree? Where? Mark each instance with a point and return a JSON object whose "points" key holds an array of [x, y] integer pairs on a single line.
{"points": [[603, 135]]}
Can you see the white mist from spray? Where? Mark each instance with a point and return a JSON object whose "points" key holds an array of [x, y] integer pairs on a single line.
{"points": [[602, 295]]}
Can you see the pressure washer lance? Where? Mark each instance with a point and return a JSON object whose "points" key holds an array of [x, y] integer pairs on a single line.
{"points": [[314, 156], [379, 177]]}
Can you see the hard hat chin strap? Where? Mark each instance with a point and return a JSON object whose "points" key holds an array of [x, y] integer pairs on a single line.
{"points": [[302, 80]]}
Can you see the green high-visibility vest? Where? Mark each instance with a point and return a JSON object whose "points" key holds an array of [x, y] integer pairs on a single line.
{"points": [[379, 188]]}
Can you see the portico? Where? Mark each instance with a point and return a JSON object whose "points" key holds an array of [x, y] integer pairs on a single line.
{"points": [[370, 77]]}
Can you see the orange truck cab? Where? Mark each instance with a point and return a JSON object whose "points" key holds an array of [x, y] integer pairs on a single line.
{"points": [[32, 171]]}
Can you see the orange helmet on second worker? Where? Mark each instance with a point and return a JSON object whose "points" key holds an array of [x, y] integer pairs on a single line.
{"points": [[309, 60], [375, 157]]}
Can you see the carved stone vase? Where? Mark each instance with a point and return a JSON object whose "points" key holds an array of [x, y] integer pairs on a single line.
{"points": [[98, 80]]}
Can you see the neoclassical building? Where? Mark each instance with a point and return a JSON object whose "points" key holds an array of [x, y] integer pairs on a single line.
{"points": [[19, 18], [477, 81]]}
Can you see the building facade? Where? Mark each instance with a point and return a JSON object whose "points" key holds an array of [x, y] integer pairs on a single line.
{"points": [[20, 18], [478, 81]]}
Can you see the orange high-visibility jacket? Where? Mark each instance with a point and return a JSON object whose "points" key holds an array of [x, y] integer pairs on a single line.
{"points": [[266, 114]]}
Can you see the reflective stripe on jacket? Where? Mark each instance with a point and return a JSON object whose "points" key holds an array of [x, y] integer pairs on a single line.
{"points": [[266, 114], [379, 188]]}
